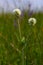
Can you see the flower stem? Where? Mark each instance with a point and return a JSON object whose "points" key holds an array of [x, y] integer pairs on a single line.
{"points": [[19, 29], [22, 57]]}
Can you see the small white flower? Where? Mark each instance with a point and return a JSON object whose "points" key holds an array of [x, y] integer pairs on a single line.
{"points": [[18, 11], [32, 20]]}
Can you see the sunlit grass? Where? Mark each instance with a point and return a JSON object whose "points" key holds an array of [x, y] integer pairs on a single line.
{"points": [[25, 51]]}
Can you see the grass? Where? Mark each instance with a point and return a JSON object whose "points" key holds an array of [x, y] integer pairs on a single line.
{"points": [[27, 50]]}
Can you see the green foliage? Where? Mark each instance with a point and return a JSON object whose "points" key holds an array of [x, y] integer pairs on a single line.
{"points": [[26, 49]]}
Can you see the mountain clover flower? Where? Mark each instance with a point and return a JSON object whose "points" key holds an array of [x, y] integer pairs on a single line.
{"points": [[32, 21], [18, 11]]}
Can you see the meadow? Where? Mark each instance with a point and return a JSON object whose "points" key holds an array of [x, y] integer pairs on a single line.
{"points": [[25, 51]]}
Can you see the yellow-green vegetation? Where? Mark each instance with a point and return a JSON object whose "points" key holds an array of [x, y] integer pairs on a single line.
{"points": [[27, 50]]}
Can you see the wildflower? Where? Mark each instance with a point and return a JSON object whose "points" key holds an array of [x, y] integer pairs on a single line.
{"points": [[18, 11], [32, 20]]}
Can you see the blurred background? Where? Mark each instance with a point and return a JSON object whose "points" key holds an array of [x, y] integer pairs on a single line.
{"points": [[20, 42], [9, 5]]}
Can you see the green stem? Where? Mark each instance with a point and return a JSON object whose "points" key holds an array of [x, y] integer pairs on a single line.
{"points": [[22, 57], [19, 28]]}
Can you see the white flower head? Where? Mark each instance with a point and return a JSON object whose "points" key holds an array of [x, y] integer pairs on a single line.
{"points": [[32, 20], [18, 11]]}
